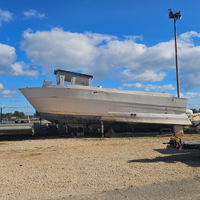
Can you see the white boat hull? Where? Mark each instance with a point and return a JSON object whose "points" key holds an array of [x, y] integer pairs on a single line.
{"points": [[89, 105]]}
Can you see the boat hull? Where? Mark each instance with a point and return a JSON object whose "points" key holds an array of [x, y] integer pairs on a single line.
{"points": [[82, 120], [79, 105]]}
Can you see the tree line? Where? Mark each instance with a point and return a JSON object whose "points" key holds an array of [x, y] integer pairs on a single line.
{"points": [[195, 110], [18, 114]]}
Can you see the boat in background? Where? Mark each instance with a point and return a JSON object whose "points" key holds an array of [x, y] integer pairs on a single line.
{"points": [[80, 104]]}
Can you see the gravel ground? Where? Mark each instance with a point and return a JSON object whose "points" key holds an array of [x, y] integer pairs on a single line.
{"points": [[65, 168], [187, 189]]}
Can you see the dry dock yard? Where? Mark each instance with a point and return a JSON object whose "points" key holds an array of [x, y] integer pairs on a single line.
{"points": [[98, 168]]}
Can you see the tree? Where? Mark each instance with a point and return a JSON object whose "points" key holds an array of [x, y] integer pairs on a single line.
{"points": [[18, 114], [21, 115], [7, 115], [194, 110], [36, 114]]}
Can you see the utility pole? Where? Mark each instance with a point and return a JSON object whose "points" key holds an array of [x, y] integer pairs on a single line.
{"points": [[1, 112], [175, 16], [28, 111]]}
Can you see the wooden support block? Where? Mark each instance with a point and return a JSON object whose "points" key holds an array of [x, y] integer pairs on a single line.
{"points": [[102, 129]]}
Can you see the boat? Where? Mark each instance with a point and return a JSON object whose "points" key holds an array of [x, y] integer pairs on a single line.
{"points": [[80, 104]]}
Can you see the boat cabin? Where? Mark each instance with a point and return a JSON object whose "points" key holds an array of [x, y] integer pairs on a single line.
{"points": [[73, 77]]}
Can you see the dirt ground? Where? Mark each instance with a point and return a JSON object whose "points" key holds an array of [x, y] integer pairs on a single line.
{"points": [[69, 167]]}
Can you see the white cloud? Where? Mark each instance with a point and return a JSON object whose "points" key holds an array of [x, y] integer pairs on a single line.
{"points": [[131, 37], [92, 53], [5, 93], [1, 86], [21, 69], [148, 75], [34, 14], [175, 95], [5, 16], [136, 85], [8, 92], [105, 55], [194, 105], [7, 55], [188, 35], [8, 66], [192, 95], [98, 38], [159, 88], [151, 87], [13, 100], [6, 96], [66, 50]]}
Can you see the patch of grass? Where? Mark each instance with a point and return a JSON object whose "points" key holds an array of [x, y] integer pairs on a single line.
{"points": [[101, 138], [131, 138]]}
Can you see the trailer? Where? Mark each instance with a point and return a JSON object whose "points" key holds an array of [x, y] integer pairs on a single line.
{"points": [[18, 128], [176, 143]]}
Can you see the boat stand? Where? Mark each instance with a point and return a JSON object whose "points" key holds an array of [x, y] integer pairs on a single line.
{"points": [[102, 129]]}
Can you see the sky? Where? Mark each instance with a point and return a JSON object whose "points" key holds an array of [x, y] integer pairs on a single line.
{"points": [[124, 44]]}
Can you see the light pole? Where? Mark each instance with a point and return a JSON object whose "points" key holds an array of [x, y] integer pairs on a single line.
{"points": [[175, 16], [1, 112]]}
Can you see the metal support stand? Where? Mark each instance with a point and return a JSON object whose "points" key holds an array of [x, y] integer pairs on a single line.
{"points": [[102, 129], [40, 124]]}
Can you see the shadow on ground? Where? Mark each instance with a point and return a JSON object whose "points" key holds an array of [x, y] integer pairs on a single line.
{"points": [[29, 137], [181, 189], [190, 157]]}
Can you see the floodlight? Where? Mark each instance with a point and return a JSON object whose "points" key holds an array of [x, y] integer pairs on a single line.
{"points": [[169, 11]]}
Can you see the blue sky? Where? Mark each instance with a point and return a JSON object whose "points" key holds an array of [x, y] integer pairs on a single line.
{"points": [[127, 45]]}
